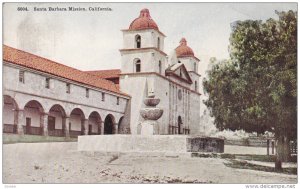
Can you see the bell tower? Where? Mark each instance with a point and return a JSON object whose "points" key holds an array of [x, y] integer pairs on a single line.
{"points": [[143, 46]]}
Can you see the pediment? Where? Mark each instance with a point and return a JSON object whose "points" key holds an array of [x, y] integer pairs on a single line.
{"points": [[179, 71]]}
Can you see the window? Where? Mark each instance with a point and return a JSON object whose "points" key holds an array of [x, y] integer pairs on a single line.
{"points": [[196, 86], [158, 43], [87, 93], [195, 67], [159, 67], [118, 100], [180, 73], [138, 66], [21, 76], [138, 41], [179, 61], [47, 83], [103, 96], [68, 88]]}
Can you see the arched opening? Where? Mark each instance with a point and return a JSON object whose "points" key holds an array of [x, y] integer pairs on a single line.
{"points": [[76, 124], [195, 67], [138, 41], [196, 86], [179, 122], [10, 115], [34, 118], [94, 124], [56, 121], [158, 43], [137, 65], [121, 126], [109, 125], [159, 67]]}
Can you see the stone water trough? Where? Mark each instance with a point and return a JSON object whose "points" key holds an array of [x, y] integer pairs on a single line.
{"points": [[150, 143]]}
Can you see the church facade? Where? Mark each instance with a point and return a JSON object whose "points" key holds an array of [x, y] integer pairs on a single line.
{"points": [[42, 97]]}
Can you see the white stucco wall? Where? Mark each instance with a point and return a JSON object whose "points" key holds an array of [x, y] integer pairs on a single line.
{"points": [[8, 114], [94, 123], [34, 89], [35, 116], [149, 61], [189, 63], [58, 119], [148, 39]]}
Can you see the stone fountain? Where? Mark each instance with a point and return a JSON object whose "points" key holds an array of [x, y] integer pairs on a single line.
{"points": [[150, 114]]}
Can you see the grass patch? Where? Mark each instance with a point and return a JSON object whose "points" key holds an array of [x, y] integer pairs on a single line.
{"points": [[253, 157], [245, 165]]}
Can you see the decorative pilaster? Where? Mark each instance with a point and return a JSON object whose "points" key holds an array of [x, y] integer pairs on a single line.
{"points": [[115, 128], [44, 123], [102, 128], [20, 121], [67, 127], [86, 126]]}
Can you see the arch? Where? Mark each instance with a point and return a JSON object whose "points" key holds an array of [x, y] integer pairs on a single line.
{"points": [[109, 124], [76, 123], [56, 121], [158, 43], [138, 41], [159, 67], [137, 65], [196, 86], [10, 114], [34, 118], [94, 125], [121, 125], [179, 122]]}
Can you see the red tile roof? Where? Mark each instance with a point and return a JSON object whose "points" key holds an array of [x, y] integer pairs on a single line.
{"points": [[144, 21], [183, 50], [106, 74], [32, 61]]}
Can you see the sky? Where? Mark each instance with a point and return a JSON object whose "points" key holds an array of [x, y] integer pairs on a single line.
{"points": [[90, 40]]}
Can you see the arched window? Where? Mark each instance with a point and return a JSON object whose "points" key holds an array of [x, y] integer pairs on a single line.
{"points": [[138, 41], [180, 73], [158, 43], [196, 86], [137, 65], [159, 67], [195, 67]]}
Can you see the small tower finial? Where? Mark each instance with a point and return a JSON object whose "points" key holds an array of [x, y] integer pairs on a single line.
{"points": [[183, 41]]}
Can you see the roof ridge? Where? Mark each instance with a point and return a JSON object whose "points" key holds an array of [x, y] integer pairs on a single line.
{"points": [[81, 78]]}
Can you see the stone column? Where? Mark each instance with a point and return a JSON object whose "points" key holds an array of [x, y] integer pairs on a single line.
{"points": [[115, 128], [67, 127], [44, 123], [20, 121], [102, 127], [86, 126]]}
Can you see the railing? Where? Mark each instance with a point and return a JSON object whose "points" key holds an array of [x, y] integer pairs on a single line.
{"points": [[33, 130], [9, 128], [75, 134], [174, 130], [56, 132]]}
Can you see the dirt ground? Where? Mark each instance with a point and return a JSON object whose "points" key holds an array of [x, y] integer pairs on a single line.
{"points": [[61, 163]]}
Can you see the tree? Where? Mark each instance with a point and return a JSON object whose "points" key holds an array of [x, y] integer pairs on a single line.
{"points": [[255, 89]]}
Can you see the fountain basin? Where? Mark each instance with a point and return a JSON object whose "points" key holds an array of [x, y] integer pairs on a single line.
{"points": [[151, 101], [151, 113]]}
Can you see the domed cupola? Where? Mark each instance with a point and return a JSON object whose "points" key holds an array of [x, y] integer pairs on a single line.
{"points": [[144, 21], [183, 50]]}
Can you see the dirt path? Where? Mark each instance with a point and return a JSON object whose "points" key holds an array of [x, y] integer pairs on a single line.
{"points": [[61, 163]]}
